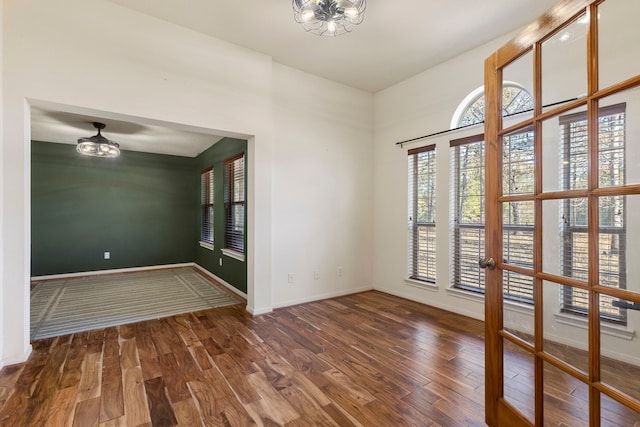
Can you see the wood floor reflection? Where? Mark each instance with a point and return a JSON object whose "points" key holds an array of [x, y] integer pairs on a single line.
{"points": [[368, 359]]}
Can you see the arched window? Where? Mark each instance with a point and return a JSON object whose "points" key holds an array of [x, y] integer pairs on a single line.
{"points": [[468, 195], [515, 99]]}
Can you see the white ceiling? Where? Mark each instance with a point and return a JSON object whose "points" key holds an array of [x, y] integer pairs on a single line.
{"points": [[398, 39], [51, 125]]}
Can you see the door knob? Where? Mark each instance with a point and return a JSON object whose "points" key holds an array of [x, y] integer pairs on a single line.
{"points": [[489, 263]]}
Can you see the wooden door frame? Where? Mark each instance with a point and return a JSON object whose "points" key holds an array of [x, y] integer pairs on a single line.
{"points": [[528, 40]]}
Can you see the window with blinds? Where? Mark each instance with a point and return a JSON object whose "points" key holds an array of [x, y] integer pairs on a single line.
{"points": [[422, 211], [573, 215], [468, 212], [234, 199], [518, 160], [206, 206], [468, 199]]}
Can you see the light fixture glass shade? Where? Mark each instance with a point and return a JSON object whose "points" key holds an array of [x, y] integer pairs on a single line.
{"points": [[98, 145], [329, 17]]}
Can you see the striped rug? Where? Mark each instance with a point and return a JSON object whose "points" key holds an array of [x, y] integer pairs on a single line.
{"points": [[61, 307]]}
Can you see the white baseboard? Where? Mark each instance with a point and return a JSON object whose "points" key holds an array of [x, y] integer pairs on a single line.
{"points": [[15, 360], [221, 281], [323, 296], [427, 301], [254, 311], [114, 271], [260, 311]]}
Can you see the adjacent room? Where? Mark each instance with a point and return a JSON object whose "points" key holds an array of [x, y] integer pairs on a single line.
{"points": [[175, 203], [319, 212]]}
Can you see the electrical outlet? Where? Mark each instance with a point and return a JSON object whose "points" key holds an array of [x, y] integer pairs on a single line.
{"points": [[339, 271], [316, 275], [107, 255], [290, 277]]}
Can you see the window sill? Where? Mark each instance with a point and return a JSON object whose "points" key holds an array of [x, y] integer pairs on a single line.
{"points": [[607, 329], [233, 254], [468, 295], [478, 297], [421, 284], [519, 307], [206, 245], [566, 319]]}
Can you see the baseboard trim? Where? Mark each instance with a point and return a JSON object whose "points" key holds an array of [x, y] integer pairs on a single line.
{"points": [[429, 302], [321, 297], [259, 312], [113, 271], [15, 361], [221, 281]]}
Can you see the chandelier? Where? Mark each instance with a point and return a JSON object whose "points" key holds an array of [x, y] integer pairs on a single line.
{"points": [[329, 17], [98, 145]]}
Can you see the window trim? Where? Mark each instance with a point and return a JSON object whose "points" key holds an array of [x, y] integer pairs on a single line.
{"points": [[230, 203], [567, 304], [456, 228], [455, 221], [232, 253], [478, 93], [207, 206], [413, 278]]}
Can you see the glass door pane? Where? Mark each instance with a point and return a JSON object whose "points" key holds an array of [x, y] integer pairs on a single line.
{"points": [[517, 90], [565, 332], [564, 59], [619, 139], [519, 379], [566, 399], [615, 414], [618, 41], [565, 238], [565, 158], [620, 356], [518, 316]]}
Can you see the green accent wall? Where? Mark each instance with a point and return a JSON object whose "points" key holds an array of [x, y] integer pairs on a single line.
{"points": [[142, 208], [139, 207], [232, 270]]}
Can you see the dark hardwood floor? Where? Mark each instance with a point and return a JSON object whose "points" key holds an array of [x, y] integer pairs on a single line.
{"points": [[368, 359]]}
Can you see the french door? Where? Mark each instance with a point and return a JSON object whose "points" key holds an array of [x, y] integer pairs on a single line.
{"points": [[563, 217]]}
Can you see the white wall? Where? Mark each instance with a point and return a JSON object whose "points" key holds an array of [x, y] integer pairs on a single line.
{"points": [[1, 186], [95, 57], [322, 188], [419, 106]]}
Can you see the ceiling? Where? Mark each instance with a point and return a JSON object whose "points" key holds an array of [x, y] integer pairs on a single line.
{"points": [[50, 125], [398, 39]]}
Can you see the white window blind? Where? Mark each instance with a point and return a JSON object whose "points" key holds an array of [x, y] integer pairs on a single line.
{"points": [[206, 203], [234, 200], [467, 191], [574, 213], [422, 204], [518, 163], [468, 210]]}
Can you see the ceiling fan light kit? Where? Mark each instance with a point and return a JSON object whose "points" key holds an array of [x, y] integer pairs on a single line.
{"points": [[329, 17], [98, 145]]}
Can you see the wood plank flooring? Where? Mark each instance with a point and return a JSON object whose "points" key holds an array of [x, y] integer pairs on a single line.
{"points": [[362, 360], [368, 359]]}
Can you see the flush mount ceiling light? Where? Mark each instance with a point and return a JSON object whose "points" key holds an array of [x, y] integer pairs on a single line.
{"points": [[98, 145], [329, 17]]}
